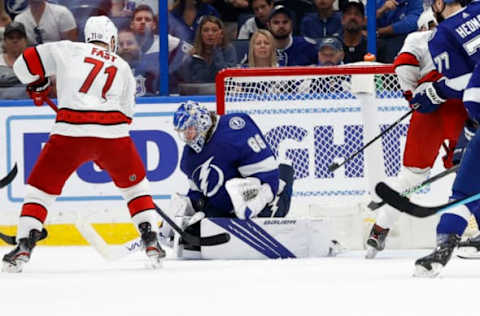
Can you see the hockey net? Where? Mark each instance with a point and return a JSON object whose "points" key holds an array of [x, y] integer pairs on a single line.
{"points": [[314, 116]]}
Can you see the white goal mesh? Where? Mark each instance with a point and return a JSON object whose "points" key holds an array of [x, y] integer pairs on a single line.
{"points": [[314, 116]]}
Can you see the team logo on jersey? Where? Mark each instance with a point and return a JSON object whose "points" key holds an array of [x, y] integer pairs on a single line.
{"points": [[236, 122], [208, 177], [141, 89]]}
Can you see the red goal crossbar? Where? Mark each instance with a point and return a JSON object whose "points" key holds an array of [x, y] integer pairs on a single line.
{"points": [[292, 71]]}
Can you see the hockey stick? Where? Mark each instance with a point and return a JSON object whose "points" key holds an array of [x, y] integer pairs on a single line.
{"points": [[106, 251], [9, 177], [213, 240], [374, 205], [50, 103], [334, 166], [403, 204], [12, 240], [110, 253]]}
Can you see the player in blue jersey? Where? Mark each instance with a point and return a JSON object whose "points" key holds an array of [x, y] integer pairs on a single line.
{"points": [[455, 51], [231, 169], [291, 50]]}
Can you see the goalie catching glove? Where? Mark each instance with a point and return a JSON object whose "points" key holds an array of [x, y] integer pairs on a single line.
{"points": [[249, 197], [39, 90]]}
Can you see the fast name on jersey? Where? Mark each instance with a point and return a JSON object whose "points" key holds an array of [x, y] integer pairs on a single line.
{"points": [[468, 27], [103, 54]]}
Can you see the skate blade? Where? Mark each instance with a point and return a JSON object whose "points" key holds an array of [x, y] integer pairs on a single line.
{"points": [[12, 268], [422, 272], [371, 252]]}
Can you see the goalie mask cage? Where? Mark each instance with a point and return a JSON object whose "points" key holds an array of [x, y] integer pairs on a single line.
{"points": [[314, 116]]}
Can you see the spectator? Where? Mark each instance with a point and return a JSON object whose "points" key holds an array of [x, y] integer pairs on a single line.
{"points": [[324, 22], [47, 22], [299, 8], [261, 9], [231, 11], [4, 20], [330, 52], [144, 25], [185, 18], [146, 67], [211, 52], [353, 22], [261, 52], [127, 7], [395, 20], [14, 44], [291, 51], [128, 47], [146, 74]]}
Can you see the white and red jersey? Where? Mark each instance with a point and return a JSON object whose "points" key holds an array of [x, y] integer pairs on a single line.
{"points": [[414, 64], [95, 88]]}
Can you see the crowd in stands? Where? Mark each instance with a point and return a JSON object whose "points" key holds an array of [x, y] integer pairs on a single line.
{"points": [[205, 36]]}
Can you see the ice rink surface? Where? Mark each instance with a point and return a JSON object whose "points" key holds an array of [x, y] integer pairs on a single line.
{"points": [[77, 281]]}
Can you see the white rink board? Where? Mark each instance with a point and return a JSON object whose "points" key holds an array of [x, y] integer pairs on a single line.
{"points": [[152, 122]]}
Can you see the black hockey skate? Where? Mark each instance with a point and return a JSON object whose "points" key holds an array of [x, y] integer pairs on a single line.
{"points": [[14, 260], [152, 247], [431, 265], [376, 241], [470, 248]]}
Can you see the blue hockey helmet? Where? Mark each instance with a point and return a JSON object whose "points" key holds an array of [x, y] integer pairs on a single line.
{"points": [[192, 122]]}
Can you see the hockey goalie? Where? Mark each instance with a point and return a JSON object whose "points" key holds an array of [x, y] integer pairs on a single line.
{"points": [[237, 186]]}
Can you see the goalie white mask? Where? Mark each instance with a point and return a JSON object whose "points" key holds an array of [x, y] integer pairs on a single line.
{"points": [[101, 29], [192, 122]]}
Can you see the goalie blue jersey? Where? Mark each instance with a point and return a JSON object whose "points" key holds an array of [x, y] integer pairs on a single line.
{"points": [[236, 149], [455, 47]]}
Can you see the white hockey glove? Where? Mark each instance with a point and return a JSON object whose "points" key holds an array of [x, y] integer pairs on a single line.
{"points": [[249, 197]]}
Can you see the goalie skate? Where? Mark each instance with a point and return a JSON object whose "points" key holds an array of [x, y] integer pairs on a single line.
{"points": [[14, 260], [430, 266], [376, 241], [470, 248]]}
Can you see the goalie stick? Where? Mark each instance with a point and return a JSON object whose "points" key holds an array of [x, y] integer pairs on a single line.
{"points": [[403, 204], [213, 240], [374, 205]]}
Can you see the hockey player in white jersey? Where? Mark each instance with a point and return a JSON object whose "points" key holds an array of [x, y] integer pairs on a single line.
{"points": [[96, 98], [427, 131]]}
